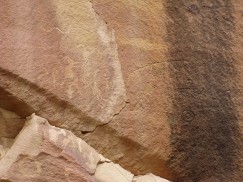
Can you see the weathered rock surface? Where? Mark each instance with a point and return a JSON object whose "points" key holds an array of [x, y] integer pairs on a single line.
{"points": [[159, 81], [10, 124], [42, 152], [68, 60], [61, 60]]}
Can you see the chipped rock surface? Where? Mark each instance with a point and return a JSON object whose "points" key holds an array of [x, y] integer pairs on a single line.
{"points": [[42, 152], [153, 85]]}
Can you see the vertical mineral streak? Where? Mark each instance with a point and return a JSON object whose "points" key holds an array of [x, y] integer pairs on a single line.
{"points": [[205, 125]]}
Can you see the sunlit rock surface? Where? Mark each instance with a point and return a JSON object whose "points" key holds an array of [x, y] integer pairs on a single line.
{"points": [[153, 85]]}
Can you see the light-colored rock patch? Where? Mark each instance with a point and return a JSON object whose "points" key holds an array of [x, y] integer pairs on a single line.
{"points": [[149, 178]]}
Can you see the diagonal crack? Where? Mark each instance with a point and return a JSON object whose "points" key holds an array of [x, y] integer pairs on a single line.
{"points": [[104, 124]]}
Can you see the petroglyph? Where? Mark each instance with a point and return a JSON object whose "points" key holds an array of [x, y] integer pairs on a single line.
{"points": [[81, 55]]}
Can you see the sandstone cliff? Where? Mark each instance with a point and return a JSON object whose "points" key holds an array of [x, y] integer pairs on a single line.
{"points": [[154, 85]]}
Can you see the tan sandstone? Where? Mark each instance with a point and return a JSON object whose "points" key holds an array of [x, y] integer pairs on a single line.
{"points": [[153, 85], [42, 152]]}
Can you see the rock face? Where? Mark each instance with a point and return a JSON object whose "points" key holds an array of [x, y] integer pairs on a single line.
{"points": [[153, 85], [10, 124], [42, 152], [74, 62]]}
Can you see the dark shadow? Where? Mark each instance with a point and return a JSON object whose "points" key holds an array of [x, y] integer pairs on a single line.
{"points": [[205, 130]]}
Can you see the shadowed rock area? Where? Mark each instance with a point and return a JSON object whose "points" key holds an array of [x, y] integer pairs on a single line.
{"points": [[205, 127]]}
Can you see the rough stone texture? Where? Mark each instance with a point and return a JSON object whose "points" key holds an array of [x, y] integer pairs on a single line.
{"points": [[42, 152], [141, 130], [62, 52], [159, 81], [206, 137], [10, 124], [60, 60]]}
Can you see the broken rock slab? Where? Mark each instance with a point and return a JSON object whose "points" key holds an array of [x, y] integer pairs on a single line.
{"points": [[42, 152]]}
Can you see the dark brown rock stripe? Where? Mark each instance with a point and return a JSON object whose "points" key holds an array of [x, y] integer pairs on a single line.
{"points": [[205, 129]]}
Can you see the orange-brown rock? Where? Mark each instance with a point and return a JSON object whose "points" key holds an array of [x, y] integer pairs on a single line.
{"points": [[10, 124], [154, 85], [59, 57], [60, 60]]}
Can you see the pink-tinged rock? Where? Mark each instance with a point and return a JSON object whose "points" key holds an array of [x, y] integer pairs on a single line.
{"points": [[42, 152], [65, 144], [153, 85], [61, 51], [76, 62]]}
